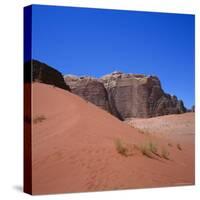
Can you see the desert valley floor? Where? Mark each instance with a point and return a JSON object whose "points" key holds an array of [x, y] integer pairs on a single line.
{"points": [[79, 147]]}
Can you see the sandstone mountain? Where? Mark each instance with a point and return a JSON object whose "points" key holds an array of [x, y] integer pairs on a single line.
{"points": [[90, 89], [123, 95], [126, 95], [41, 72]]}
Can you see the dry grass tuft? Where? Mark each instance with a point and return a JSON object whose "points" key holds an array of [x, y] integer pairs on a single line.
{"points": [[38, 119], [170, 144], [146, 151], [179, 147], [121, 148], [165, 154], [149, 149], [153, 148]]}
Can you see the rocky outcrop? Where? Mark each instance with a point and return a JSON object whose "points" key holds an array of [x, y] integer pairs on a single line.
{"points": [[193, 108], [127, 95], [139, 96], [43, 73], [90, 89]]}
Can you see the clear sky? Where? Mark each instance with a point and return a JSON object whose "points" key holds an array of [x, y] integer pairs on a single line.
{"points": [[96, 42]]}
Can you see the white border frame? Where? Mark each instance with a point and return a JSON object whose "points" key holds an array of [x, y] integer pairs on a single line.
{"points": [[11, 145]]}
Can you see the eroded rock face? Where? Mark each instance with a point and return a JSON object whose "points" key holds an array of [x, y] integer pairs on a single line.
{"points": [[140, 96], [43, 73], [90, 89], [127, 95]]}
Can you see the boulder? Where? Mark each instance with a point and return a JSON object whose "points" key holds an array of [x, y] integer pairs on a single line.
{"points": [[41, 72]]}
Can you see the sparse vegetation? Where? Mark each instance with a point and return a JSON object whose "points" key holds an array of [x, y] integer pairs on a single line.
{"points": [[153, 148], [149, 149], [165, 154], [143, 131], [146, 151], [38, 119], [179, 147], [121, 148]]}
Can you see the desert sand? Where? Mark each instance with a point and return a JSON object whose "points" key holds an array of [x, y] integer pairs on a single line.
{"points": [[76, 147], [174, 127]]}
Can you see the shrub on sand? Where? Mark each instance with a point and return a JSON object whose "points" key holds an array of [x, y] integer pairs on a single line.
{"points": [[146, 151], [39, 118], [165, 154], [170, 144], [121, 148], [179, 147], [149, 149], [153, 148]]}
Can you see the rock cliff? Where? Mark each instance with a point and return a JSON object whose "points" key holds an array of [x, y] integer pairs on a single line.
{"points": [[126, 95], [90, 89], [40, 72]]}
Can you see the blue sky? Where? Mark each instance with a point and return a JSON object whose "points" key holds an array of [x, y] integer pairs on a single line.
{"points": [[96, 42]]}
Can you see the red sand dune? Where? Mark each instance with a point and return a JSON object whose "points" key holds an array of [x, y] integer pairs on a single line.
{"points": [[74, 150]]}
